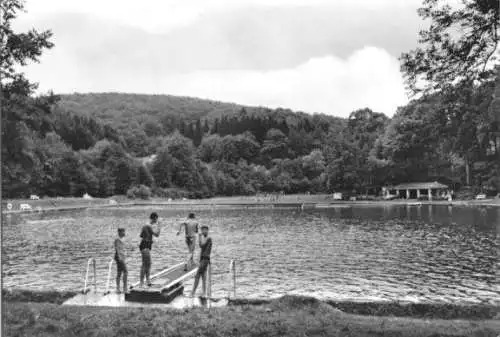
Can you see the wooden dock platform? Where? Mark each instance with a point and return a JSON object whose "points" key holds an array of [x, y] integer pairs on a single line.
{"points": [[166, 285], [114, 300]]}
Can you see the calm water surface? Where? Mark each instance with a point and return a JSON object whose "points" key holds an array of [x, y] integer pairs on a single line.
{"points": [[404, 253]]}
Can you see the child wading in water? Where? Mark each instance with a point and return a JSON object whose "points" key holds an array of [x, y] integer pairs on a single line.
{"points": [[206, 248], [121, 265], [191, 229]]}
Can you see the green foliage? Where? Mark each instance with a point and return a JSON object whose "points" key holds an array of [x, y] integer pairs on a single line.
{"points": [[111, 167], [367, 150], [342, 169], [139, 192], [24, 119], [458, 46], [161, 169], [172, 193], [456, 62], [274, 145], [183, 169], [17, 50], [144, 176]]}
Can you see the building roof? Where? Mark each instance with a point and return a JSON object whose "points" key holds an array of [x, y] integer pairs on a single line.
{"points": [[419, 186]]}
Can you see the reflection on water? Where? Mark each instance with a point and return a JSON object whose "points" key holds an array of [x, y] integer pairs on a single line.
{"points": [[404, 253]]}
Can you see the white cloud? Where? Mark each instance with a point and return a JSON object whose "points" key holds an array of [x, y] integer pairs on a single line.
{"points": [[369, 78], [247, 56], [163, 15]]}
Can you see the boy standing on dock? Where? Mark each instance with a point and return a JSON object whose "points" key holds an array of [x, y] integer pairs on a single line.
{"points": [[145, 248], [191, 229], [121, 265], [206, 247]]}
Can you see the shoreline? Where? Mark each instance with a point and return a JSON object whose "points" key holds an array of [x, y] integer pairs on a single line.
{"points": [[379, 309], [33, 314], [302, 202]]}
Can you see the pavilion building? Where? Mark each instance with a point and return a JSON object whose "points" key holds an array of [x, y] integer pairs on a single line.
{"points": [[417, 190]]}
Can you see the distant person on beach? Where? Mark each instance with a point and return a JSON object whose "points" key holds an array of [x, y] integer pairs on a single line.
{"points": [[121, 265], [205, 243], [145, 247], [191, 229]]}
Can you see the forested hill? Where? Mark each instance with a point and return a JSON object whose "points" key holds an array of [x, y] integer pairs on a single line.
{"points": [[93, 143], [140, 119], [110, 106]]}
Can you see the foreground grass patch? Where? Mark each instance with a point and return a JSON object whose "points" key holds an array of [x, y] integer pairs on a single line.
{"points": [[283, 317], [20, 295], [414, 310]]}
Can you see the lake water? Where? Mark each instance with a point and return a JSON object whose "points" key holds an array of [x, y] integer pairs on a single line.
{"points": [[405, 253]]}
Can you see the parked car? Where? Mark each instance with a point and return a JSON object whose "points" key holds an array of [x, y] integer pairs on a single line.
{"points": [[481, 196], [34, 197]]}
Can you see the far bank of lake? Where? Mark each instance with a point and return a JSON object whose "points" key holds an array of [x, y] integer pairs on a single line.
{"points": [[298, 201]]}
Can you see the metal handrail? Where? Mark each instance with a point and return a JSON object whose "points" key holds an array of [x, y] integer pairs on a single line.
{"points": [[209, 285], [109, 276], [87, 275], [232, 270]]}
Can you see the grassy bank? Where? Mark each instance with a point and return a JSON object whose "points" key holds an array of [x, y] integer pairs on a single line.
{"points": [[413, 310], [20, 295], [288, 316]]}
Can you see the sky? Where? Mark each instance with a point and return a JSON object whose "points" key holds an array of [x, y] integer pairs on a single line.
{"points": [[315, 56]]}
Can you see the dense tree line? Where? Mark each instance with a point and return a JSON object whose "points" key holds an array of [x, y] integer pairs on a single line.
{"points": [[66, 153], [106, 144]]}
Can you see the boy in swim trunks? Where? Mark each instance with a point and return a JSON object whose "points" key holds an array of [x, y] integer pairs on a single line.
{"points": [[145, 247], [191, 229], [121, 265], [206, 248]]}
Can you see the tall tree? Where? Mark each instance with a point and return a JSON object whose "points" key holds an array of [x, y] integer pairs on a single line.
{"points": [[162, 167], [144, 176], [457, 53], [206, 127], [274, 146], [458, 46], [198, 133], [17, 49], [20, 112]]}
